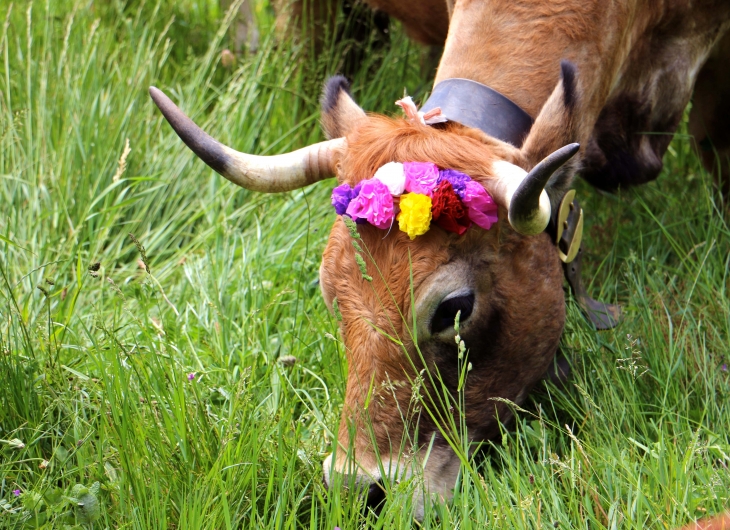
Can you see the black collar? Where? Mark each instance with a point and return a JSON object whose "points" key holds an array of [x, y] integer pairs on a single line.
{"points": [[476, 105]]}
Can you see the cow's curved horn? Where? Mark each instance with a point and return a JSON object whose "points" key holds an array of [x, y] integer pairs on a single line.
{"points": [[271, 174], [523, 193]]}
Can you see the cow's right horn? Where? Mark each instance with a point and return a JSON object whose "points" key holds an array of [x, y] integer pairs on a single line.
{"points": [[523, 193], [271, 174]]}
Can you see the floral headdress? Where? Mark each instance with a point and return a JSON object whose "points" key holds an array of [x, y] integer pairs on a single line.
{"points": [[414, 194]]}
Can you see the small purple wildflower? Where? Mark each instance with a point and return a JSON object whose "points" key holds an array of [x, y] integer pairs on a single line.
{"points": [[191, 376], [16, 493], [724, 367]]}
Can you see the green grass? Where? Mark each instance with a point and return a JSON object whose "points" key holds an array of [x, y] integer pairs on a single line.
{"points": [[94, 368]]}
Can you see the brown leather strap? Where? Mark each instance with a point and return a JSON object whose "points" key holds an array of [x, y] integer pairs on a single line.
{"points": [[603, 316]]}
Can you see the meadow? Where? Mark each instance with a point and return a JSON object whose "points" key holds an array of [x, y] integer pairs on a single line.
{"points": [[167, 361]]}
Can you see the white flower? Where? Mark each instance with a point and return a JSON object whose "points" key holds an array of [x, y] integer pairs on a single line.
{"points": [[393, 176]]}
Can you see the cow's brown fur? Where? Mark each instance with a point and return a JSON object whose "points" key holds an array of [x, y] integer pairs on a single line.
{"points": [[716, 523], [510, 275], [636, 62]]}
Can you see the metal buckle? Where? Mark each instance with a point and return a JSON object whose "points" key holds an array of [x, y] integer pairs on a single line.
{"points": [[569, 234], [569, 228]]}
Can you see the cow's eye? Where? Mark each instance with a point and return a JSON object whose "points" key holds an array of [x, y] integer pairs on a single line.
{"points": [[446, 312]]}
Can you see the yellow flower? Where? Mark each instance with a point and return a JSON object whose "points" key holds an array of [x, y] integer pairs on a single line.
{"points": [[415, 214]]}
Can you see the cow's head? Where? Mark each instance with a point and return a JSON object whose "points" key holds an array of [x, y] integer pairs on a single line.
{"points": [[506, 282]]}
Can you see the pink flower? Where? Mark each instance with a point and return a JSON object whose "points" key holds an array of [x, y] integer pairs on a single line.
{"points": [[421, 177], [191, 376], [482, 208], [374, 204], [16, 493]]}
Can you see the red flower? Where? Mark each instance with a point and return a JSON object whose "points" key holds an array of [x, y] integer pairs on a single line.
{"points": [[448, 210]]}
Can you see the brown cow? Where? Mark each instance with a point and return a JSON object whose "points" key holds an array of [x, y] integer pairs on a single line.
{"points": [[721, 522], [602, 74]]}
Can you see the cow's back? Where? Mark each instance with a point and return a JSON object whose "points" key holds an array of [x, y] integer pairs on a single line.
{"points": [[654, 68]]}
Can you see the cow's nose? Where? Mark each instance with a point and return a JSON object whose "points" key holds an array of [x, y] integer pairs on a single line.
{"points": [[375, 496]]}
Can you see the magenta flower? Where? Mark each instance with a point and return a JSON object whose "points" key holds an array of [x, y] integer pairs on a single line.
{"points": [[16, 493], [374, 204], [421, 177], [482, 208], [457, 179], [191, 376]]}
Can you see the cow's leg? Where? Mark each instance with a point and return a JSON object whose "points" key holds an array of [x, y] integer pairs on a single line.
{"points": [[708, 120], [425, 21], [365, 29], [559, 371], [246, 33], [315, 17]]}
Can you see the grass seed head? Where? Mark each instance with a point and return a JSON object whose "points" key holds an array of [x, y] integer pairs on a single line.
{"points": [[142, 252], [122, 164], [351, 227]]}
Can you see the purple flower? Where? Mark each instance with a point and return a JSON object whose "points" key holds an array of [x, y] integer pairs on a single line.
{"points": [[457, 179], [341, 197], [421, 177], [373, 203], [16, 493], [482, 208], [191, 376], [724, 367]]}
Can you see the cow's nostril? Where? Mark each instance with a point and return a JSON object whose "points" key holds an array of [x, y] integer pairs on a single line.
{"points": [[376, 496], [446, 312]]}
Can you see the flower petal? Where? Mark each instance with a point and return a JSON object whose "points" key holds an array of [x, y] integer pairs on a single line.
{"points": [[482, 208], [421, 177], [415, 214], [374, 203], [392, 175]]}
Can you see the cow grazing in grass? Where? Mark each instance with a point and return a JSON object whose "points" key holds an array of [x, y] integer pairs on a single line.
{"points": [[614, 77]]}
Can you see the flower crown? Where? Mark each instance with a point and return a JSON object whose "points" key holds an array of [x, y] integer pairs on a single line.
{"points": [[414, 194]]}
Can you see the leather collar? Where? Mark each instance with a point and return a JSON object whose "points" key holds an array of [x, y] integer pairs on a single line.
{"points": [[476, 105]]}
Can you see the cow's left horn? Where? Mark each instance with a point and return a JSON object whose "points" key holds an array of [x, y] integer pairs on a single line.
{"points": [[524, 193], [271, 174]]}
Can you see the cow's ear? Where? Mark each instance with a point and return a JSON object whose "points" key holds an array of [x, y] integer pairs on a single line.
{"points": [[555, 127], [340, 113]]}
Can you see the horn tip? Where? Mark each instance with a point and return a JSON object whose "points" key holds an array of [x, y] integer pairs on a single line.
{"points": [[572, 148], [157, 95]]}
